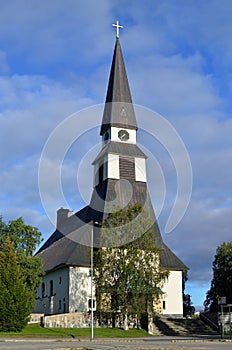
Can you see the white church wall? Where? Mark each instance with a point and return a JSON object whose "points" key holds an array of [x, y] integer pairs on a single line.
{"points": [[140, 170], [52, 294], [95, 177], [114, 134], [113, 166], [80, 289], [173, 299]]}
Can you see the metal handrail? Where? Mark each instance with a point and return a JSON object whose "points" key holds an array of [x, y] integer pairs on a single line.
{"points": [[209, 321]]}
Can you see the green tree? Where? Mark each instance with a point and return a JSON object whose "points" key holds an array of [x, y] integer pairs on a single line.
{"points": [[221, 284], [25, 238], [15, 297], [188, 308], [127, 267], [22, 240]]}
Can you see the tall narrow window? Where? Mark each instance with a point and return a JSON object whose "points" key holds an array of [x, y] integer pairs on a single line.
{"points": [[90, 303], [101, 171], [43, 290], [64, 306], [51, 288]]}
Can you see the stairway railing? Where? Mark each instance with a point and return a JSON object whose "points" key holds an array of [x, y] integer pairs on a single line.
{"points": [[205, 317]]}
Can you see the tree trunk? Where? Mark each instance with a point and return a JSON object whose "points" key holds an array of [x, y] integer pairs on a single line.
{"points": [[113, 320], [126, 328], [149, 316]]}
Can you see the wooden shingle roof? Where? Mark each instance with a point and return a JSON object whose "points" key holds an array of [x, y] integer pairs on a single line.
{"points": [[124, 149], [71, 246]]}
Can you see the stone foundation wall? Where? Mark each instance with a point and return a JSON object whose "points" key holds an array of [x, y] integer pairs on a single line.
{"points": [[35, 318], [80, 320], [69, 320]]}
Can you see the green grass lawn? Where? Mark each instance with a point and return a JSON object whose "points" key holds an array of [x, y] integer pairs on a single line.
{"points": [[34, 330]]}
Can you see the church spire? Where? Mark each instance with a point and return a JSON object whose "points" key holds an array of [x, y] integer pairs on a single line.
{"points": [[118, 110]]}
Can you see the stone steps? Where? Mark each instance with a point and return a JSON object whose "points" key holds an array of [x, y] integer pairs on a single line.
{"points": [[182, 326]]}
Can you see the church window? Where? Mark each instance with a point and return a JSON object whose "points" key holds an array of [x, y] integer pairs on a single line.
{"points": [[164, 305], [43, 290], [105, 170], [101, 172], [90, 304], [60, 280], [127, 168], [106, 136], [51, 288]]}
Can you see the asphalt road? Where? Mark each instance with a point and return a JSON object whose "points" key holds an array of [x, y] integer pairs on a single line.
{"points": [[162, 343]]}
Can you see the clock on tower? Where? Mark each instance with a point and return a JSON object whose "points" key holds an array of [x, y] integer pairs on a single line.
{"points": [[123, 135]]}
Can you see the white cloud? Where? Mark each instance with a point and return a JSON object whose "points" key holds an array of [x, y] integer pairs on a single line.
{"points": [[31, 107], [46, 33]]}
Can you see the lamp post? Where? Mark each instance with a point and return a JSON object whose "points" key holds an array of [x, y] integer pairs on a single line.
{"points": [[91, 282]]}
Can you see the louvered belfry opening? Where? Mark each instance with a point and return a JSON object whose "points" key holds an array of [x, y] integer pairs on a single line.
{"points": [[101, 172], [127, 168]]}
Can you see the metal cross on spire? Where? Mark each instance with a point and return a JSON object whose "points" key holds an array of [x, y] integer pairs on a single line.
{"points": [[117, 28]]}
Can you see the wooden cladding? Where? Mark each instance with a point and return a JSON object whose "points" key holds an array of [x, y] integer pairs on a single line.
{"points": [[127, 168]]}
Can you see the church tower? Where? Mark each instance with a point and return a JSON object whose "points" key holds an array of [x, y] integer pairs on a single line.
{"points": [[120, 180], [119, 168]]}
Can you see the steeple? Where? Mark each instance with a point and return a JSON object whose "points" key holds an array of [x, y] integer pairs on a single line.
{"points": [[119, 109]]}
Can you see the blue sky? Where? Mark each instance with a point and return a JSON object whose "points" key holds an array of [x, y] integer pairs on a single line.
{"points": [[55, 58]]}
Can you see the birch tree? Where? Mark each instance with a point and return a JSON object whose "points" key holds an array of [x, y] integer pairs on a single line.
{"points": [[126, 268]]}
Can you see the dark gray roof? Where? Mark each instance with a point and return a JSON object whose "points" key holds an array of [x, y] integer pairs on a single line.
{"points": [[119, 110], [64, 252], [170, 261], [108, 190], [124, 149], [113, 193], [82, 217], [71, 247]]}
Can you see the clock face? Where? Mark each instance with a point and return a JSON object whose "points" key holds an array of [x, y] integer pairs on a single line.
{"points": [[123, 135]]}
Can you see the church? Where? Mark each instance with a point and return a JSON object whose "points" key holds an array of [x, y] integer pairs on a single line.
{"points": [[120, 179]]}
